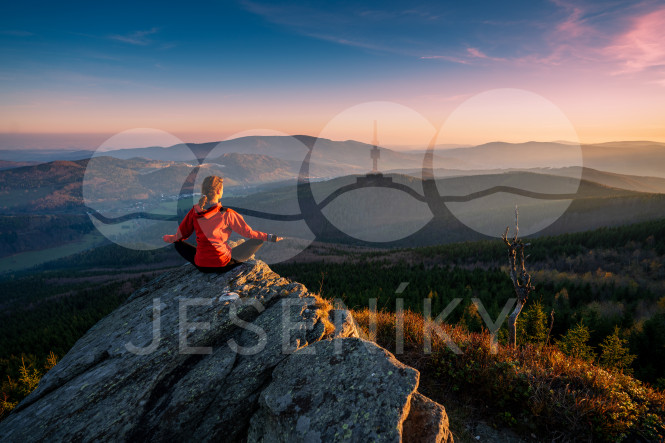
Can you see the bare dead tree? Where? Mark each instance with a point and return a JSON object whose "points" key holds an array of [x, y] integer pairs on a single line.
{"points": [[549, 331], [521, 279]]}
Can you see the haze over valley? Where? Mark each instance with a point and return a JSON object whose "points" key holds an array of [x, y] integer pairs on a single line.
{"points": [[599, 185]]}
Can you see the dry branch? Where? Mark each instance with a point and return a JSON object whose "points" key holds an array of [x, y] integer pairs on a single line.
{"points": [[520, 277]]}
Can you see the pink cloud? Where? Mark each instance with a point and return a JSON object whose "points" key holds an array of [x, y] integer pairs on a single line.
{"points": [[136, 38], [574, 25], [446, 58], [570, 39], [472, 53], [642, 46], [477, 53], [631, 44]]}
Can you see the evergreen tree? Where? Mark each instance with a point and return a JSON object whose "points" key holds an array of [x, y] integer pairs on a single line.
{"points": [[471, 318], [532, 324], [614, 354], [574, 343]]}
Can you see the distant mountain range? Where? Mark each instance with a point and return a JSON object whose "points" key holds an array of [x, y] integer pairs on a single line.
{"points": [[266, 184], [387, 215], [59, 185], [42, 192], [333, 158], [610, 179], [630, 158], [143, 173], [4, 164], [43, 155]]}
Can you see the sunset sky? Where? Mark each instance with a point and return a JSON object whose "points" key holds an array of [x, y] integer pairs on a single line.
{"points": [[208, 70]]}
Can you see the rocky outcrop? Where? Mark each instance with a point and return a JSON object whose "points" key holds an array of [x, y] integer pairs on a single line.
{"points": [[241, 356], [314, 395], [427, 422]]}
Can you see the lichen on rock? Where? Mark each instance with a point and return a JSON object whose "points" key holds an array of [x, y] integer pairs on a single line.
{"points": [[177, 362]]}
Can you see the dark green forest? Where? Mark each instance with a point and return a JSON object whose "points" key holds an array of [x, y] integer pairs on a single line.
{"points": [[45, 312], [601, 280]]}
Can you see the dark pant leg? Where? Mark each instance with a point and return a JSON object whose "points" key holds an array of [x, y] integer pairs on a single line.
{"points": [[243, 251], [219, 269], [186, 250]]}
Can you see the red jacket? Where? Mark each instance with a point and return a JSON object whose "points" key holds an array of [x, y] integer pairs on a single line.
{"points": [[213, 227]]}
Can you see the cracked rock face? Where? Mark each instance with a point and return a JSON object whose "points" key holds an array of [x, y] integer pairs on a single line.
{"points": [[346, 389], [336, 390], [177, 362]]}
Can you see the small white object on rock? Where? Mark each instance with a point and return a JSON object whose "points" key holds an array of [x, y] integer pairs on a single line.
{"points": [[228, 296]]}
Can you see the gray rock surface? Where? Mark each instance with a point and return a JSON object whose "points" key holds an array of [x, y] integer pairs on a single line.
{"points": [[343, 322], [427, 422], [344, 389], [182, 361]]}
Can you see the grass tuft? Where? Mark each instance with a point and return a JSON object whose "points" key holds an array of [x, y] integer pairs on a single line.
{"points": [[532, 389]]}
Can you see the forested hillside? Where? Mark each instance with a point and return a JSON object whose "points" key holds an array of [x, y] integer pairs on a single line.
{"points": [[602, 279], [607, 283]]}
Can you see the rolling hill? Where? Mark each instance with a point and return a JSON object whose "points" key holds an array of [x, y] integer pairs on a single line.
{"points": [[264, 183], [4, 164], [329, 157], [637, 183], [628, 158]]}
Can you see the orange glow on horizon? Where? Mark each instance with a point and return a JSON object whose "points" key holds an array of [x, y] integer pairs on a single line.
{"points": [[596, 117]]}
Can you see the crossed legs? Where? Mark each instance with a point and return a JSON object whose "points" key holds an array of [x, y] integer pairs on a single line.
{"points": [[239, 254]]}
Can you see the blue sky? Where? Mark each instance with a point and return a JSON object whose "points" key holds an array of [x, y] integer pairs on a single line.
{"points": [[215, 68]]}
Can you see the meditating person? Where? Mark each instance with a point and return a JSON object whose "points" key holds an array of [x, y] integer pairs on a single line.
{"points": [[213, 224]]}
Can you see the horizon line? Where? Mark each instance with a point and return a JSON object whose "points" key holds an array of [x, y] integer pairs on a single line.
{"points": [[401, 147]]}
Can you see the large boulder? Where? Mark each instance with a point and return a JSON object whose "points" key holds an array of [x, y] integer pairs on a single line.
{"points": [[193, 357], [334, 390]]}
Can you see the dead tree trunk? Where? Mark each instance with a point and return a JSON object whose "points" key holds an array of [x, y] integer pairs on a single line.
{"points": [[520, 278]]}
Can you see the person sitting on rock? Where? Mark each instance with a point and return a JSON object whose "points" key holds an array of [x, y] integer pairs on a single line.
{"points": [[213, 224]]}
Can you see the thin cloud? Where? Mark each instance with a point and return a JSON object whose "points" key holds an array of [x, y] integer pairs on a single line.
{"points": [[139, 38], [575, 24], [17, 33], [477, 53], [351, 27], [376, 15], [576, 34], [422, 14], [568, 39], [572, 38], [447, 58], [100, 56], [346, 42], [628, 40], [642, 46], [472, 55]]}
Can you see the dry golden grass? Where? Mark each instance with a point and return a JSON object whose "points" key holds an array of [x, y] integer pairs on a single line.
{"points": [[536, 390], [323, 308]]}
